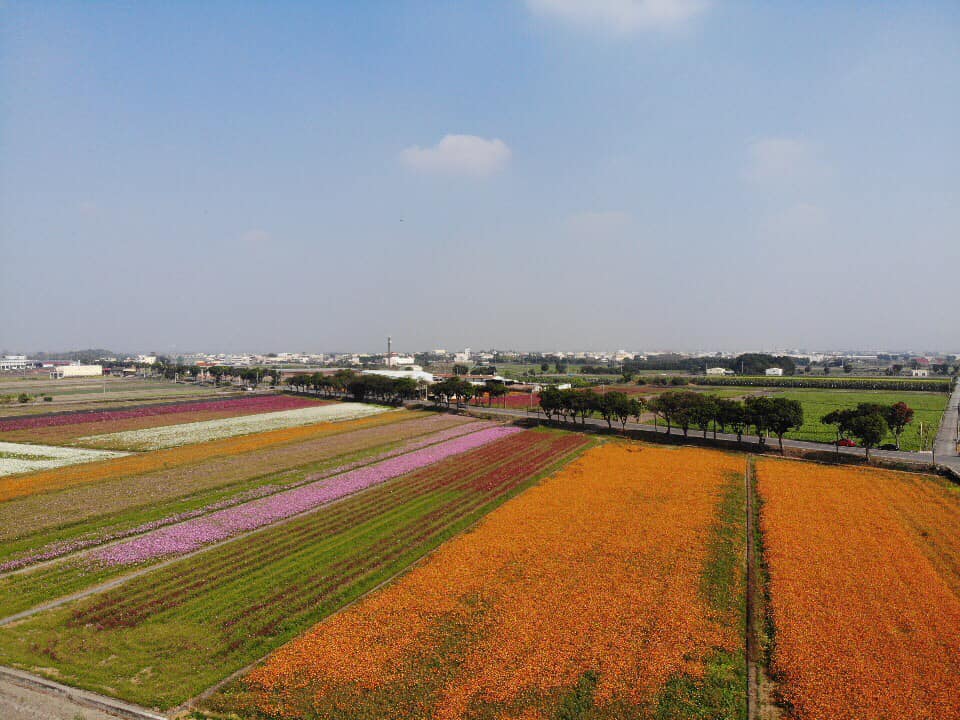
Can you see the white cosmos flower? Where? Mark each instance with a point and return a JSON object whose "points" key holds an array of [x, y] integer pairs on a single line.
{"points": [[168, 436], [23, 458]]}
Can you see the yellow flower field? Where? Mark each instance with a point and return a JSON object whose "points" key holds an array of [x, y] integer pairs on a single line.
{"points": [[591, 577]]}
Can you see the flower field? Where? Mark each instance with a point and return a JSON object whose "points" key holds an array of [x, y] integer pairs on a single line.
{"points": [[168, 436], [21, 458], [140, 463], [865, 583], [67, 426], [179, 534], [46, 526], [610, 590], [163, 637], [192, 534]]}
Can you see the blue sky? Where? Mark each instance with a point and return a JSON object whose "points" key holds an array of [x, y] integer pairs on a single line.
{"points": [[543, 174]]}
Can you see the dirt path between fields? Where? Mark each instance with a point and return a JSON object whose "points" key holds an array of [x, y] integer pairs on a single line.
{"points": [[761, 704]]}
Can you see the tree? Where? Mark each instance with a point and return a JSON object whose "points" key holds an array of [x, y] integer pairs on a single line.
{"points": [[636, 406], [611, 405], [544, 367], [758, 411], [494, 389], [663, 406], [870, 429], [459, 369], [785, 415], [551, 402], [728, 412], [703, 411], [898, 416], [357, 388]]}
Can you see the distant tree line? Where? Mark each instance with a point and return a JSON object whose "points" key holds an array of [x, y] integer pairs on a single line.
{"points": [[362, 388], [928, 385], [683, 409], [461, 392], [568, 405]]}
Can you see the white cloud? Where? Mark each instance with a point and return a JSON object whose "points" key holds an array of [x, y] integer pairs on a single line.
{"points": [[622, 16], [781, 158], [459, 155]]}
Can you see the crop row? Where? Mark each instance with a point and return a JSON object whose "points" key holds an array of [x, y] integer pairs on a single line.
{"points": [[62, 547], [173, 587], [237, 601], [168, 436], [191, 534], [142, 463], [53, 428], [587, 596], [18, 458]]}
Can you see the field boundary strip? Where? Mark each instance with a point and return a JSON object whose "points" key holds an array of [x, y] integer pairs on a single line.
{"points": [[558, 463], [93, 700]]}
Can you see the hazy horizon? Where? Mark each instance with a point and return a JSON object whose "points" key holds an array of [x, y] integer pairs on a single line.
{"points": [[539, 174]]}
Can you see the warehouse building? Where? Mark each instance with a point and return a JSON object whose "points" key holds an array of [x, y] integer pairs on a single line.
{"points": [[65, 371]]}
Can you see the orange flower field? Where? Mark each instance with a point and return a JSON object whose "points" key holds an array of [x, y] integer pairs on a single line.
{"points": [[64, 477], [590, 579], [865, 584]]}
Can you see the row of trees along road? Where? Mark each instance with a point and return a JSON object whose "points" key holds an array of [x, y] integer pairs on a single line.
{"points": [[461, 391], [345, 383], [869, 422], [679, 408]]}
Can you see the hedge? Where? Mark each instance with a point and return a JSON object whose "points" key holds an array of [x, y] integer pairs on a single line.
{"points": [[836, 383]]}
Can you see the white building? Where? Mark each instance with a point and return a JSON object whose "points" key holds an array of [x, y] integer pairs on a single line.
{"points": [[718, 371], [64, 371], [147, 359], [400, 374], [777, 372], [15, 362], [395, 360], [919, 372]]}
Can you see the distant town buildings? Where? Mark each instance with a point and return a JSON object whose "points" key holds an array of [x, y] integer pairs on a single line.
{"points": [[15, 362]]}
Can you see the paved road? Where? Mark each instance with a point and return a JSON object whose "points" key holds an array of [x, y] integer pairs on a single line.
{"points": [[749, 441], [21, 703], [946, 442]]}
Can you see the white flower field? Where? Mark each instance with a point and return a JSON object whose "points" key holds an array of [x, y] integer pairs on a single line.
{"points": [[21, 457], [168, 436]]}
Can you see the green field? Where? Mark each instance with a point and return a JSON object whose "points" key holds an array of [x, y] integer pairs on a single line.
{"points": [[928, 409], [70, 394]]}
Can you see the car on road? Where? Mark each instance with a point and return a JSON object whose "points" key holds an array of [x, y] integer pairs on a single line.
{"points": [[846, 442], [887, 446]]}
